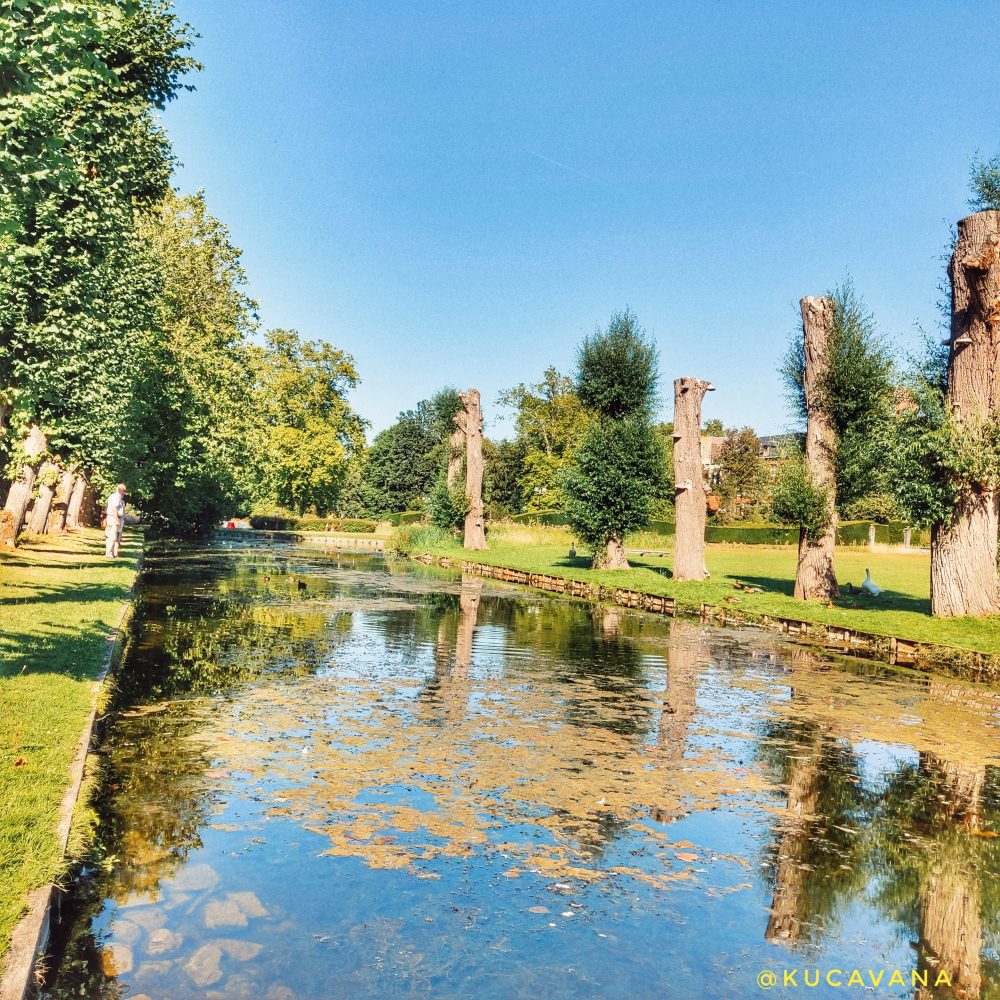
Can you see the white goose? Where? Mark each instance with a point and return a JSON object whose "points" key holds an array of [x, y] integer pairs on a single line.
{"points": [[868, 587]]}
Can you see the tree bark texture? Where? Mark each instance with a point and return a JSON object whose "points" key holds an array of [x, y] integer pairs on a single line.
{"points": [[75, 505], [690, 488], [610, 555], [964, 549], [57, 516], [815, 577], [39, 516], [19, 494], [470, 421]]}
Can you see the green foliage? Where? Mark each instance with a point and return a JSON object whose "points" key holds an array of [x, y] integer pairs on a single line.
{"points": [[410, 538], [446, 505], [797, 499], [502, 492], [984, 184], [743, 477], [617, 370], [404, 460], [879, 507], [857, 394], [713, 428], [310, 433], [615, 476], [549, 420]]}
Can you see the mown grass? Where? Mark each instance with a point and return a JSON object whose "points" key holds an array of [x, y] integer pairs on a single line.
{"points": [[59, 601], [902, 610]]}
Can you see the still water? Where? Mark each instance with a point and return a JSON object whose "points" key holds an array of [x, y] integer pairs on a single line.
{"points": [[346, 777]]}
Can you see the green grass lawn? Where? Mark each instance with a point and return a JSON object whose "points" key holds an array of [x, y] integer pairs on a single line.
{"points": [[59, 601], [903, 610]]}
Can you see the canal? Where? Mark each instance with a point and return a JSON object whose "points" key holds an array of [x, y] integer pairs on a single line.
{"points": [[343, 776]]}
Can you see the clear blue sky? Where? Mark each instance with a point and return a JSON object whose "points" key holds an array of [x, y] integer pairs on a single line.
{"points": [[455, 193]]}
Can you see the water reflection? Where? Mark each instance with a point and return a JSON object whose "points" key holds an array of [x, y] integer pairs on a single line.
{"points": [[346, 777]]}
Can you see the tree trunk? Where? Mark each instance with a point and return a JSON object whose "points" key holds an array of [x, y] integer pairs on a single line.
{"points": [[610, 555], [964, 549], [690, 488], [19, 494], [39, 516], [468, 602], [470, 421], [75, 506], [815, 577], [57, 516]]}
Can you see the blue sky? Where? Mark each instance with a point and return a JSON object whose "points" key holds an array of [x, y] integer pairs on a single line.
{"points": [[455, 193]]}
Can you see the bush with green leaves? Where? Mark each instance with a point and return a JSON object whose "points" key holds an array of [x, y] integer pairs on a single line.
{"points": [[446, 505], [881, 508], [798, 499]]}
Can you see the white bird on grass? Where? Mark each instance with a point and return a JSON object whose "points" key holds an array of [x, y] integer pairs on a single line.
{"points": [[868, 587]]}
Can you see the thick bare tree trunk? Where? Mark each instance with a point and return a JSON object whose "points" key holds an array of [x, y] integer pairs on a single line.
{"points": [[75, 506], [964, 550], [19, 494], [686, 654], [690, 488], [39, 516], [815, 577], [470, 421]]}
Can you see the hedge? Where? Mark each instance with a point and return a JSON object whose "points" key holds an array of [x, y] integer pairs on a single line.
{"points": [[404, 517], [310, 522]]}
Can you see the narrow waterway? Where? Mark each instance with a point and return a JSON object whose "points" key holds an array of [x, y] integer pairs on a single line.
{"points": [[348, 777]]}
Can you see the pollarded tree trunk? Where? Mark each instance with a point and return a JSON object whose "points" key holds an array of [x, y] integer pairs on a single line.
{"points": [[75, 506], [690, 488], [470, 420], [964, 549], [815, 577], [19, 494], [39, 516]]}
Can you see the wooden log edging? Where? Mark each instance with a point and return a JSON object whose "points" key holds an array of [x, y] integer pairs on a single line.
{"points": [[30, 937], [894, 650]]}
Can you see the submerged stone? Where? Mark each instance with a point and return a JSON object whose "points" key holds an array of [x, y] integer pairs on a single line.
{"points": [[163, 940], [116, 959], [224, 913], [195, 878], [204, 966], [240, 951]]}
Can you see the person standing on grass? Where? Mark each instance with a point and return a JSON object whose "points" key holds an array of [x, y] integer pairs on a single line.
{"points": [[114, 522]]}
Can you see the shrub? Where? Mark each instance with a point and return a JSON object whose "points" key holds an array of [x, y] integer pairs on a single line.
{"points": [[879, 507], [801, 501]]}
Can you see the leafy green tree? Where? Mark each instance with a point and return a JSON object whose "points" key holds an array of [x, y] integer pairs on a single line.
{"points": [[713, 428], [858, 394], [83, 160], [504, 478], [616, 471], [202, 447], [310, 433], [549, 421], [405, 459], [743, 478]]}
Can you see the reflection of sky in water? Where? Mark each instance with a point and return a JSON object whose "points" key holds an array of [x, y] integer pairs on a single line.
{"points": [[404, 785]]}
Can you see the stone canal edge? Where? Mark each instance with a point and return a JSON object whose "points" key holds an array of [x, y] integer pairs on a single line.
{"points": [[31, 935], [954, 661]]}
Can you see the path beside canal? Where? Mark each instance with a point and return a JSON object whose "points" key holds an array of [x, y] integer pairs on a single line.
{"points": [[60, 604]]}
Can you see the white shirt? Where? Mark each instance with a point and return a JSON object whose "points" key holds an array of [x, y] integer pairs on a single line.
{"points": [[116, 508]]}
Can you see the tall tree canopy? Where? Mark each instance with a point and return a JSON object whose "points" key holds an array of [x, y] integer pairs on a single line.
{"points": [[616, 471]]}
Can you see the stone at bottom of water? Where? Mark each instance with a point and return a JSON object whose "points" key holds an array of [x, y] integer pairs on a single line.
{"points": [[163, 940], [240, 951], [224, 913], [204, 966]]}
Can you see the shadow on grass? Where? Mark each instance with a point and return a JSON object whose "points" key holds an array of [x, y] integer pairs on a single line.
{"points": [[846, 602], [75, 651]]}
